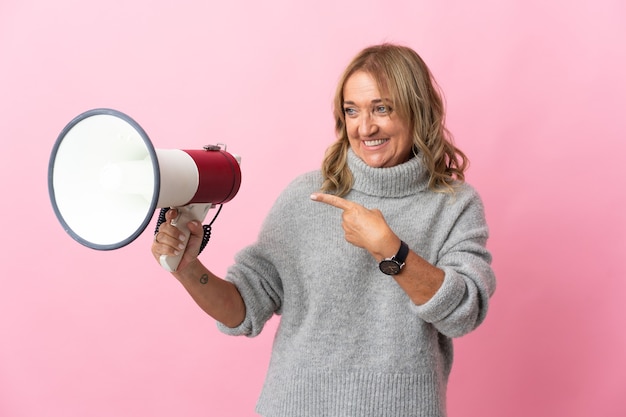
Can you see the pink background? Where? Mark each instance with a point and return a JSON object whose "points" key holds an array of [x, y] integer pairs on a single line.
{"points": [[536, 97]]}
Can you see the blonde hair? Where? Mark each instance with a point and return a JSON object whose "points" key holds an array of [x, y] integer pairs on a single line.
{"points": [[402, 74]]}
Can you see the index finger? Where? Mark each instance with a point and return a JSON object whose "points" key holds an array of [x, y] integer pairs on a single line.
{"points": [[332, 200]]}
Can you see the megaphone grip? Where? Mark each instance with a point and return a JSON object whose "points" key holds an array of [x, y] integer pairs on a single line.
{"points": [[207, 227], [186, 214]]}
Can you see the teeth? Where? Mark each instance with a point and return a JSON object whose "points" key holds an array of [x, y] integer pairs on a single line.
{"points": [[375, 142]]}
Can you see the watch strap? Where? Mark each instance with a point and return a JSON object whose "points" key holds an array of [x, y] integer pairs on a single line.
{"points": [[403, 252]]}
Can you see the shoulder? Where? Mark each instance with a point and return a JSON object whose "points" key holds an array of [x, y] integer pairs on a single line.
{"points": [[462, 193], [293, 204], [311, 179], [469, 204], [467, 192], [303, 183], [298, 190], [462, 205]]}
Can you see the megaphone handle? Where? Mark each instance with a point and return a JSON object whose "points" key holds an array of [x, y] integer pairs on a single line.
{"points": [[186, 214]]}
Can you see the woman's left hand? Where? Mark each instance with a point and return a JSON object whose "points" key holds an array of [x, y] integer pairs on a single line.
{"points": [[363, 227]]}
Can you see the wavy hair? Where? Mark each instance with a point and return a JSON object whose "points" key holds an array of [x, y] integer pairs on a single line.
{"points": [[402, 74]]}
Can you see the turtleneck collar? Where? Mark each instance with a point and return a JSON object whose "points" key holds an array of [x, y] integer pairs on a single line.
{"points": [[397, 181]]}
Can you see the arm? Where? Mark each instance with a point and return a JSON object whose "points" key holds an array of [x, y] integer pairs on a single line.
{"points": [[453, 294], [368, 229], [419, 279], [218, 298]]}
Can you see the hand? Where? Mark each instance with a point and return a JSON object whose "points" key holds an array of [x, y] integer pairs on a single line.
{"points": [[363, 227], [170, 240]]}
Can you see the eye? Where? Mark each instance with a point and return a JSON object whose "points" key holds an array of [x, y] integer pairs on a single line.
{"points": [[382, 109], [349, 111]]}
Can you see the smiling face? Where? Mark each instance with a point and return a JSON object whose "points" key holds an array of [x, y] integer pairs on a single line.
{"points": [[376, 133]]}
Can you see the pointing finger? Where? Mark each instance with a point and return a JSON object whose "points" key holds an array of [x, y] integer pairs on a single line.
{"points": [[332, 200]]}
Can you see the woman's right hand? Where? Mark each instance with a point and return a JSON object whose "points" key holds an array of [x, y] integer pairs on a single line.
{"points": [[170, 241]]}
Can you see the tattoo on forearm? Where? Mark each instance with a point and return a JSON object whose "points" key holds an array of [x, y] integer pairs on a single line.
{"points": [[204, 279]]}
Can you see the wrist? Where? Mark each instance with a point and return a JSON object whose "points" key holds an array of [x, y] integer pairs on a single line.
{"points": [[190, 268], [393, 265], [387, 248]]}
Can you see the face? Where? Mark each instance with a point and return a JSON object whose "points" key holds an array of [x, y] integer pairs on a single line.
{"points": [[375, 131]]}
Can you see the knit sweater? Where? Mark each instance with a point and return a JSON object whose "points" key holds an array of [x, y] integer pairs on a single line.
{"points": [[350, 341]]}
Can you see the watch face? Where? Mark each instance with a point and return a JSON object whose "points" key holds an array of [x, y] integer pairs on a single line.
{"points": [[389, 267]]}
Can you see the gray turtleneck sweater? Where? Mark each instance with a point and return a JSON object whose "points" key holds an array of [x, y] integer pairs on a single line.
{"points": [[350, 341]]}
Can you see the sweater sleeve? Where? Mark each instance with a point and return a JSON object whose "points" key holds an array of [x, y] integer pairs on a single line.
{"points": [[461, 303], [259, 286], [256, 275]]}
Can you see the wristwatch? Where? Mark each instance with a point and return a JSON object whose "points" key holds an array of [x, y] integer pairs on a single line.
{"points": [[393, 265]]}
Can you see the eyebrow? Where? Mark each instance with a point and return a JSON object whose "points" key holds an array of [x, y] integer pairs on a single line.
{"points": [[375, 101]]}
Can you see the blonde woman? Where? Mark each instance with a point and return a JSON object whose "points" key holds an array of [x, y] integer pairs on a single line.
{"points": [[375, 262]]}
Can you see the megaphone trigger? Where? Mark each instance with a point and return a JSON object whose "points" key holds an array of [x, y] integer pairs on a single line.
{"points": [[186, 214]]}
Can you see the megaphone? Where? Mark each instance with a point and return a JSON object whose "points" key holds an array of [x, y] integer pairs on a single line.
{"points": [[105, 180]]}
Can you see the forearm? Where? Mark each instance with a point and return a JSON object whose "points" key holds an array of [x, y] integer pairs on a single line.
{"points": [[218, 298], [419, 279]]}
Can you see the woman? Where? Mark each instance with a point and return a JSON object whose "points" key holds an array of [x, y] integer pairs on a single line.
{"points": [[374, 263]]}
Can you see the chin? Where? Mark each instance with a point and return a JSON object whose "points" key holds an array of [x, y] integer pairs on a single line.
{"points": [[375, 162], [375, 159]]}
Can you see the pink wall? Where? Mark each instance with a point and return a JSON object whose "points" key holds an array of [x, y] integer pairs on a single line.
{"points": [[536, 97]]}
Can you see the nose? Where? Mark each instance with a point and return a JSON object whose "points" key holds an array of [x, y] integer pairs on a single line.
{"points": [[367, 126]]}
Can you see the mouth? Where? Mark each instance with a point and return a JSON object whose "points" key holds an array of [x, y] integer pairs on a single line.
{"points": [[375, 142]]}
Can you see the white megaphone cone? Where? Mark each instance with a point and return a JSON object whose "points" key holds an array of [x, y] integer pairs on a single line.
{"points": [[105, 181]]}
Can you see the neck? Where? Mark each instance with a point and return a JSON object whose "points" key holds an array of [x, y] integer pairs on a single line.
{"points": [[397, 181]]}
